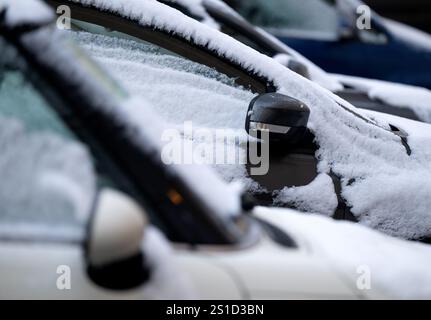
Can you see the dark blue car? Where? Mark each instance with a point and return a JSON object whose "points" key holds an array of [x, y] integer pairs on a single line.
{"points": [[326, 32]]}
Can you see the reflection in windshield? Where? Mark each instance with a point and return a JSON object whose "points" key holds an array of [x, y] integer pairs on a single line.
{"points": [[310, 15]]}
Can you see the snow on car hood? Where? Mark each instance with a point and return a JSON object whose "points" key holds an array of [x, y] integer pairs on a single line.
{"points": [[19, 12], [398, 269], [397, 95], [371, 160]]}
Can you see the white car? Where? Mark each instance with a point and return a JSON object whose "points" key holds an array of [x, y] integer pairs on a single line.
{"points": [[330, 158], [82, 163]]}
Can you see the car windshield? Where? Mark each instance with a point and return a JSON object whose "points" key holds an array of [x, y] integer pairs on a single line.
{"points": [[122, 133], [48, 177], [294, 15], [159, 75]]}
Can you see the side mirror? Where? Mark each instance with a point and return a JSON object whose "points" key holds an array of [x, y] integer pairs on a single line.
{"points": [[284, 117], [292, 64], [284, 155], [114, 254]]}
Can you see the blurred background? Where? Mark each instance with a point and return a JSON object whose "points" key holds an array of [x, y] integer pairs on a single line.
{"points": [[416, 13]]}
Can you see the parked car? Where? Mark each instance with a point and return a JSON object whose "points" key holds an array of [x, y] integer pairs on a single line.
{"points": [[392, 98], [86, 182], [327, 34], [326, 156]]}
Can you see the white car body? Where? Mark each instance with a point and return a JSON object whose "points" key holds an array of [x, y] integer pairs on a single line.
{"points": [[261, 270]]}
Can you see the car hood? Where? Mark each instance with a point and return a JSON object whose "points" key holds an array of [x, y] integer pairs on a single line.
{"points": [[395, 268], [416, 99]]}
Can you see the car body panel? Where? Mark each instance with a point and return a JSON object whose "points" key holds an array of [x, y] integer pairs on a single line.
{"points": [[32, 271], [272, 271]]}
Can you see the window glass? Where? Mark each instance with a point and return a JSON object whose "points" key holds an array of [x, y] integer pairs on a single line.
{"points": [[309, 15], [47, 179], [179, 89]]}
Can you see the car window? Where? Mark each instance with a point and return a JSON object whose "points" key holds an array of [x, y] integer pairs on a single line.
{"points": [[177, 88], [310, 15], [48, 181]]}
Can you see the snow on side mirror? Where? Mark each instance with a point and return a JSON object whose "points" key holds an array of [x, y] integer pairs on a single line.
{"points": [[285, 118], [292, 64], [114, 255]]}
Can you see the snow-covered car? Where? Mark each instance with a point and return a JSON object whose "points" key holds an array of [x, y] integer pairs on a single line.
{"points": [[82, 163], [401, 100], [336, 160]]}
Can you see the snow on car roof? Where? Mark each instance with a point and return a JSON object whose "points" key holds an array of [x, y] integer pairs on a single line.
{"points": [[19, 12], [379, 177]]}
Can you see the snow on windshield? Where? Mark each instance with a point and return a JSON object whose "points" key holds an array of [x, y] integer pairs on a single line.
{"points": [[53, 48], [397, 95], [47, 182], [178, 89], [370, 159]]}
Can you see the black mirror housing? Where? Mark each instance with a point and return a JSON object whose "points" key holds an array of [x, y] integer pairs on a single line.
{"points": [[299, 68], [284, 117]]}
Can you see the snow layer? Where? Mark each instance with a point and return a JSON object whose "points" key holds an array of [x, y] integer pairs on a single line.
{"points": [[47, 181], [413, 36], [20, 12], [145, 126], [206, 185], [319, 196], [398, 269], [196, 90], [397, 95], [358, 150]]}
